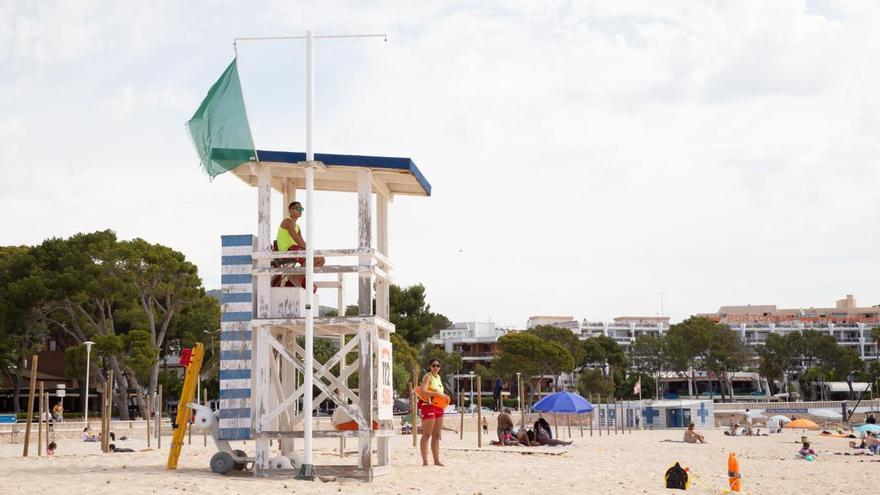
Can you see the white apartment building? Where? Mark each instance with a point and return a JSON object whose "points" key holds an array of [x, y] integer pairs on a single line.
{"points": [[625, 329], [477, 342]]}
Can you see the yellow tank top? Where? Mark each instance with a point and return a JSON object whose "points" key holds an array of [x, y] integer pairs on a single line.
{"points": [[285, 240], [436, 384]]}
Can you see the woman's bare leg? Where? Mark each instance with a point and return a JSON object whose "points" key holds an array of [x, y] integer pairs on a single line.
{"points": [[435, 440], [427, 432]]}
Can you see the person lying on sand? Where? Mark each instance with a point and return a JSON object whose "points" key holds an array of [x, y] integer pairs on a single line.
{"points": [[691, 436], [116, 450], [543, 438]]}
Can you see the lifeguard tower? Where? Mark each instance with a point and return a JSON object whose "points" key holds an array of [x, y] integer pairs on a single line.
{"points": [[267, 376], [260, 391]]}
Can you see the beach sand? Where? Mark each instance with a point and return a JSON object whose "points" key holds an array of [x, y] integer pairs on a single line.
{"points": [[622, 463]]}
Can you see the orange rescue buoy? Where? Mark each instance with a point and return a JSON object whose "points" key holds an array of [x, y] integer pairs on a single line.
{"points": [[733, 475]]}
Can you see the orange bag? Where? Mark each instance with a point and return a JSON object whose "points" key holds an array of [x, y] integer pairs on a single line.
{"points": [[440, 401]]}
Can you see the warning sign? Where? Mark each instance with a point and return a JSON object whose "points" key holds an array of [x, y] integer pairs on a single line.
{"points": [[385, 386]]}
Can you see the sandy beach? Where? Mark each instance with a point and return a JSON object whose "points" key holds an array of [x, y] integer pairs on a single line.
{"points": [[622, 463]]}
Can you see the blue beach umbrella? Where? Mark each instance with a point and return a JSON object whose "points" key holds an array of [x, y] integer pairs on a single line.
{"points": [[563, 402], [866, 428]]}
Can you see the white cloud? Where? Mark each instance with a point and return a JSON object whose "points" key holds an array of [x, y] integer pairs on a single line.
{"points": [[585, 155]]}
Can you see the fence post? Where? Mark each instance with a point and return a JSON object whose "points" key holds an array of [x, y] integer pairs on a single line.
{"points": [[479, 412], [30, 413]]}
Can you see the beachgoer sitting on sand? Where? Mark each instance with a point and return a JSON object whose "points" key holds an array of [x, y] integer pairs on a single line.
{"points": [[733, 431], [116, 450], [87, 435], [505, 422], [542, 424], [58, 412], [50, 449], [872, 443], [691, 436], [806, 450], [290, 239]]}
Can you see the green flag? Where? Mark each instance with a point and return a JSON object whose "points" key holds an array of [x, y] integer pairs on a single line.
{"points": [[219, 128]]}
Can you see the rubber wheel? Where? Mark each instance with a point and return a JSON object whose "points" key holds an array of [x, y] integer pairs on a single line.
{"points": [[239, 466], [221, 463]]}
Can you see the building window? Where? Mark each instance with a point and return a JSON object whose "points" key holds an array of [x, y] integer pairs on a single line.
{"points": [[53, 345]]}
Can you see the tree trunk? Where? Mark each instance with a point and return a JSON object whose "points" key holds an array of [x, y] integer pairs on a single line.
{"points": [[141, 401], [16, 393], [120, 393], [153, 386]]}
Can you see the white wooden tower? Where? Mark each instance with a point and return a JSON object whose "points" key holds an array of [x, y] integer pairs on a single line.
{"points": [[263, 367]]}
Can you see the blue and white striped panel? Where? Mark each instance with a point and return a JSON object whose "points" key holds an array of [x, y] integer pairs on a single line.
{"points": [[236, 312]]}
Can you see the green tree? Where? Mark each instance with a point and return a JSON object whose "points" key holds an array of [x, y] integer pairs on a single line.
{"points": [[164, 284], [412, 316], [648, 356], [779, 356], [564, 337], [700, 343], [21, 329], [516, 354], [93, 286], [592, 382], [604, 352]]}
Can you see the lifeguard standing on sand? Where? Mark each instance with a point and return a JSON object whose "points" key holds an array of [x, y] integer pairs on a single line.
{"points": [[432, 401]]}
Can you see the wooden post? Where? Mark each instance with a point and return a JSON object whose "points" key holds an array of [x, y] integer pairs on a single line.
{"points": [[205, 432], [556, 425], [413, 405], [108, 412], [629, 408], [479, 412], [608, 417], [40, 423], [159, 419], [460, 413], [581, 423], [104, 395], [598, 409], [568, 424], [149, 417], [30, 413], [616, 417]]}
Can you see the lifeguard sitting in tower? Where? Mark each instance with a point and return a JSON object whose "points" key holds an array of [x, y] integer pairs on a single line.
{"points": [[290, 239]]}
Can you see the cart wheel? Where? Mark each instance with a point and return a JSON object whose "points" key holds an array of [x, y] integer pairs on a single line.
{"points": [[239, 466], [221, 463]]}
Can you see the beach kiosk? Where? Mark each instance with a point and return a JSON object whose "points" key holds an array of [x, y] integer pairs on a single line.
{"points": [[262, 363], [267, 367]]}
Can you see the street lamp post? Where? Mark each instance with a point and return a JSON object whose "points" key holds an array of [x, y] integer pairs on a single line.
{"points": [[88, 345], [519, 398], [472, 389]]}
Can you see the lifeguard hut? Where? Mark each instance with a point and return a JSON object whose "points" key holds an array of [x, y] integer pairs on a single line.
{"points": [[267, 377], [260, 391]]}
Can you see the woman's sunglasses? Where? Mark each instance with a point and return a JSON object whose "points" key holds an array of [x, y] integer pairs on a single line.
{"points": [[435, 365]]}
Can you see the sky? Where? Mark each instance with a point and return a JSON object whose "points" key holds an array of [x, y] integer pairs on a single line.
{"points": [[585, 157]]}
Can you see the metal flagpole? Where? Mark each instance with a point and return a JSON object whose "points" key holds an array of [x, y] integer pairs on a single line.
{"points": [[307, 470]]}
